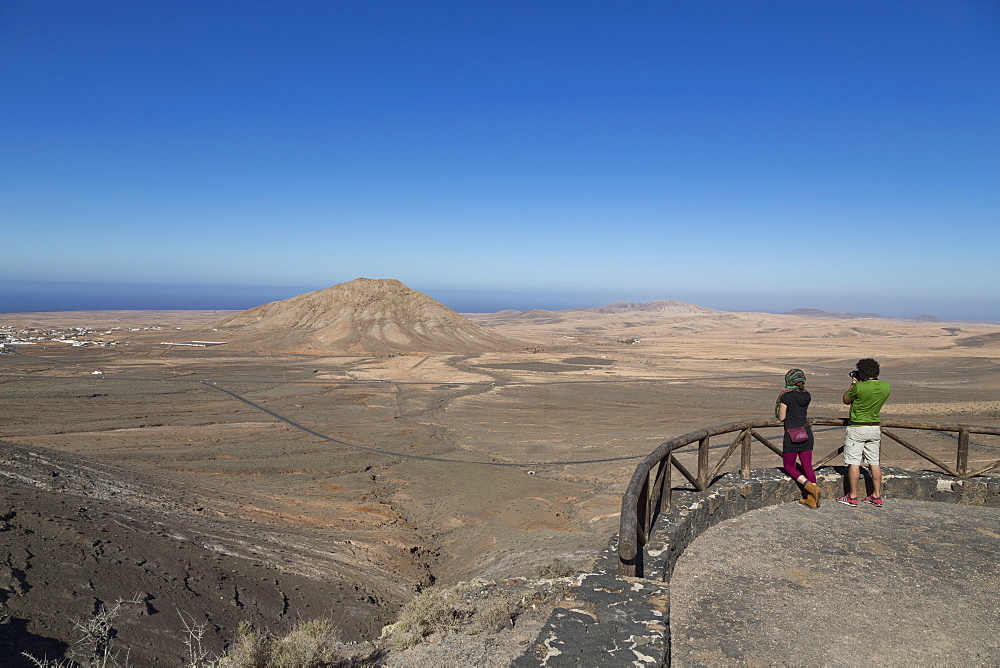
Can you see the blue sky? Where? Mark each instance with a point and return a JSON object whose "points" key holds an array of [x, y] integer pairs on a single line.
{"points": [[742, 155]]}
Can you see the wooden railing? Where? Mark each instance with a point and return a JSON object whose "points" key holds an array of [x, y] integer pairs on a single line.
{"points": [[647, 494]]}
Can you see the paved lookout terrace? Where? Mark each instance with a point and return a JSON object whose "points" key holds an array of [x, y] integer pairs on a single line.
{"points": [[914, 582]]}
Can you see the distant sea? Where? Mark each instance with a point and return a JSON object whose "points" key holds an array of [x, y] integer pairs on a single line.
{"points": [[22, 296], [43, 296]]}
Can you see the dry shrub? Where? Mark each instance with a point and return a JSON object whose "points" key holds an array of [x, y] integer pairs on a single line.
{"points": [[94, 646], [250, 649], [557, 568], [310, 644], [49, 663], [493, 613], [471, 607], [431, 611]]}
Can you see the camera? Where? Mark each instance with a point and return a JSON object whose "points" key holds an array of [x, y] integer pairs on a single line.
{"points": [[856, 375]]}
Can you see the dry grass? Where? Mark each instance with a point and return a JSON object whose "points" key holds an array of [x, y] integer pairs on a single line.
{"points": [[312, 643], [557, 568], [94, 645], [474, 607]]}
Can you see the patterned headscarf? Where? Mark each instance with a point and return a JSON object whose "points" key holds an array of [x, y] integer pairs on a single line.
{"points": [[793, 379]]}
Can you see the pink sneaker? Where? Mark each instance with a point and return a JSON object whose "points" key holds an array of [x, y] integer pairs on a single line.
{"points": [[848, 500], [874, 500]]}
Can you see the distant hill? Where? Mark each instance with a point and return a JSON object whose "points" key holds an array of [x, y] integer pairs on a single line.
{"points": [[622, 313], [662, 306], [991, 340], [363, 316], [817, 313]]}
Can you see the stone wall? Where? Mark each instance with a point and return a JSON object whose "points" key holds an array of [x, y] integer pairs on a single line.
{"points": [[625, 621]]}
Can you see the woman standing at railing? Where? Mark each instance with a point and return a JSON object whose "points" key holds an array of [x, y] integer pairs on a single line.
{"points": [[790, 407]]}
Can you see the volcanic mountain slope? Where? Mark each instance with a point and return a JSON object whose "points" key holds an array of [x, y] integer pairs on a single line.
{"points": [[363, 316], [76, 535]]}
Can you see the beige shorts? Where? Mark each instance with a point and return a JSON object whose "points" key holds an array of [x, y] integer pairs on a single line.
{"points": [[862, 442]]}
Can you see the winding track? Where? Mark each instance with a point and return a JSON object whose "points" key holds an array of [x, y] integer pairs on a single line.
{"points": [[317, 434], [313, 432]]}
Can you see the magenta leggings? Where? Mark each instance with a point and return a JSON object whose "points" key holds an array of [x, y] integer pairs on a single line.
{"points": [[806, 457]]}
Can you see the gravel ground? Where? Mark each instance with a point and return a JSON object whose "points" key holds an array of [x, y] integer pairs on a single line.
{"points": [[912, 583]]}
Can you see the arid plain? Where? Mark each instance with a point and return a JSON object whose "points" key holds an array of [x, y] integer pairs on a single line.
{"points": [[393, 470]]}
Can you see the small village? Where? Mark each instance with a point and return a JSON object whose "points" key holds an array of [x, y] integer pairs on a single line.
{"points": [[78, 337]]}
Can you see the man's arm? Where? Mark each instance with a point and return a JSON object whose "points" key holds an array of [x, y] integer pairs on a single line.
{"points": [[848, 399]]}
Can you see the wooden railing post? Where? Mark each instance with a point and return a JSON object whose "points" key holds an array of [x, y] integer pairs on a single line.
{"points": [[745, 455], [642, 508], [661, 478], [962, 462], [668, 486], [703, 463]]}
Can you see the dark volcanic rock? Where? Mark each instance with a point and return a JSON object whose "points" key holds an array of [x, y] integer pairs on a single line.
{"points": [[76, 538]]}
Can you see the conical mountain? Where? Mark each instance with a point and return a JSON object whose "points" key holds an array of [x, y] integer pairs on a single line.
{"points": [[363, 316]]}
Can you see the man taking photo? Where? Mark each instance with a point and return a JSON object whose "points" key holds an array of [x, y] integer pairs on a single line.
{"points": [[864, 436]]}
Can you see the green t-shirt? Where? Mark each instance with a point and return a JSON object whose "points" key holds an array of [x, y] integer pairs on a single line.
{"points": [[868, 397]]}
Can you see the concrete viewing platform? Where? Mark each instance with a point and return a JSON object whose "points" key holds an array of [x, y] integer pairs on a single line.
{"points": [[911, 583], [756, 578]]}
